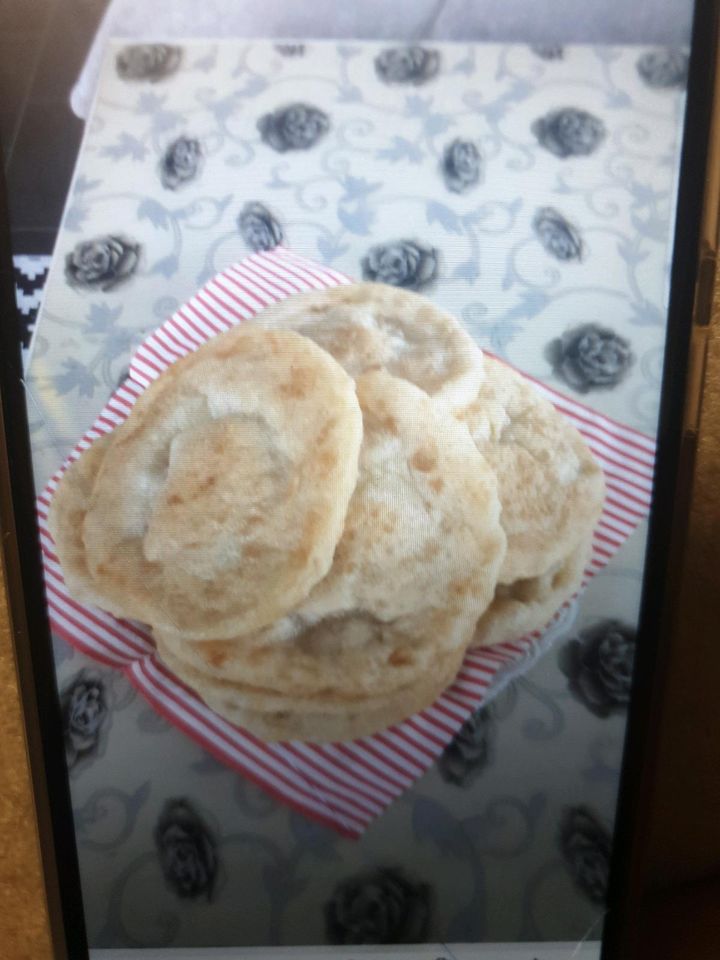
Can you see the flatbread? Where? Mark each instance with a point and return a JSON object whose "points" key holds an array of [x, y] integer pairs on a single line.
{"points": [[319, 718], [220, 500], [65, 520], [551, 488], [422, 532], [351, 656], [415, 568], [524, 606], [367, 326]]}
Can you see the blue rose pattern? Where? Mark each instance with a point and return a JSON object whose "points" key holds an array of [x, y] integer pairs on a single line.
{"points": [[148, 61], [380, 906], [409, 65], [663, 69], [84, 708], [461, 165], [295, 127], [548, 51], [181, 162], [401, 263], [569, 132], [598, 664], [590, 357], [187, 850], [290, 49], [557, 235], [102, 263], [585, 844], [259, 228], [470, 751]]}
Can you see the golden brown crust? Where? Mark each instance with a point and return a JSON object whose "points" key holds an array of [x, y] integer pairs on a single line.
{"points": [[65, 520], [320, 717], [220, 500], [367, 326], [415, 567], [551, 487], [527, 605]]}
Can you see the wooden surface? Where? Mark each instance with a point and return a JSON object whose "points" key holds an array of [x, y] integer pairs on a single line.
{"points": [[684, 829], [24, 933], [683, 825]]}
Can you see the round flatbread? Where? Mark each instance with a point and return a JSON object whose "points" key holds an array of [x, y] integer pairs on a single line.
{"points": [[551, 488], [422, 532], [524, 606], [352, 656], [65, 521], [367, 326], [323, 717], [220, 500], [415, 568]]}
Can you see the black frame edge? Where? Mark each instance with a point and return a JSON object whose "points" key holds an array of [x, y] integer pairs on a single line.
{"points": [[670, 506], [30, 631]]}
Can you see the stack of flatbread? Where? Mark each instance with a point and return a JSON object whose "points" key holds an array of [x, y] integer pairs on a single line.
{"points": [[319, 512]]}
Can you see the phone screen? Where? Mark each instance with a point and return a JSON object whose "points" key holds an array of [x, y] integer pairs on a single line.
{"points": [[343, 358]]}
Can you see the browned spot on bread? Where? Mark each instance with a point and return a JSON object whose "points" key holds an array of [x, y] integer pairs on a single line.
{"points": [[300, 383], [436, 484], [326, 430], [460, 587], [390, 424], [214, 654], [175, 500], [326, 460], [424, 460], [399, 658]]}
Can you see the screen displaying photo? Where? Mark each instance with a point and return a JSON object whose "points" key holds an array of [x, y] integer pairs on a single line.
{"points": [[343, 400]]}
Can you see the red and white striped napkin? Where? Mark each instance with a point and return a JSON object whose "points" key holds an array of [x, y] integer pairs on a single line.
{"points": [[343, 785]]}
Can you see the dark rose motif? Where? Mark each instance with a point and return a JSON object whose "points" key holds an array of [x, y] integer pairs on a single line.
{"points": [[559, 237], [585, 844], [590, 357], [470, 751], [548, 51], [102, 263], [569, 132], [663, 69], [148, 61], [414, 65], [84, 711], [403, 263], [380, 906], [598, 664], [461, 165], [181, 162], [187, 850], [259, 228], [296, 127], [290, 49]]}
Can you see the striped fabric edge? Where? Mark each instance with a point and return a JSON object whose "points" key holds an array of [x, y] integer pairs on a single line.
{"points": [[236, 294], [342, 785]]}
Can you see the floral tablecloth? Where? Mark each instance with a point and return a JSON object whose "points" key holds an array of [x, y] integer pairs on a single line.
{"points": [[529, 191]]}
